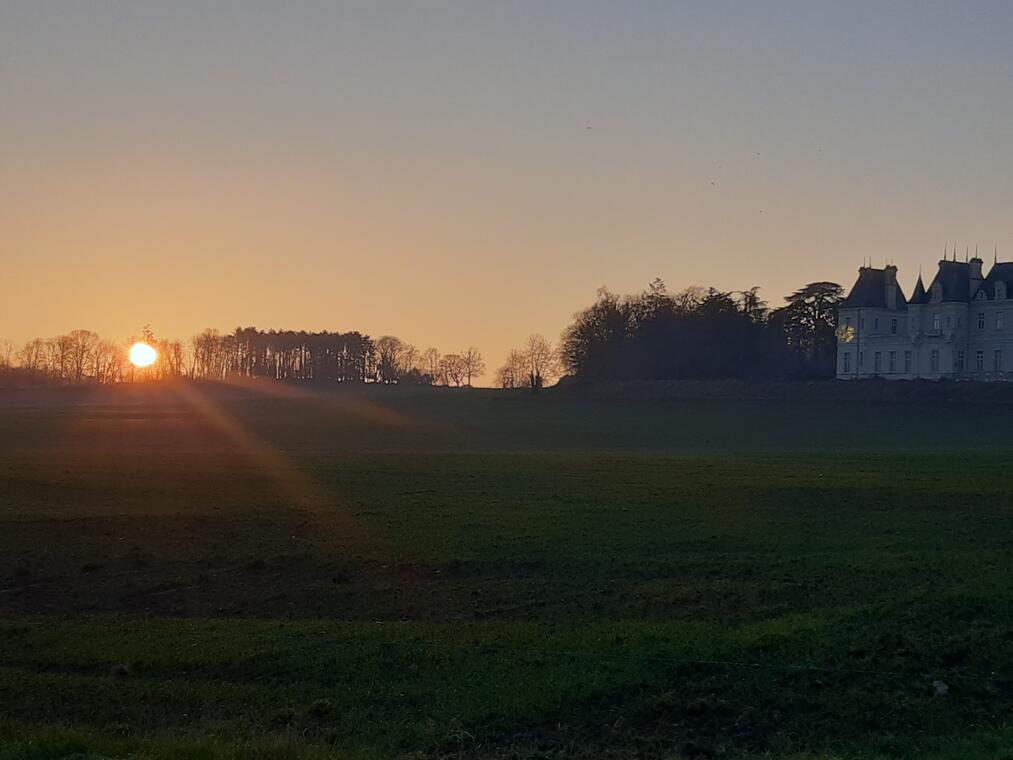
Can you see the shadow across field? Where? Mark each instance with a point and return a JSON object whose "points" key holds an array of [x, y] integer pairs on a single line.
{"points": [[498, 576]]}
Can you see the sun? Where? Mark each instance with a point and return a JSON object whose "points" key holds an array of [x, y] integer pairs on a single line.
{"points": [[142, 355]]}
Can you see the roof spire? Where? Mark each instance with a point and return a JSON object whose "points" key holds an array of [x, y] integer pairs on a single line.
{"points": [[966, 250], [995, 254], [918, 294]]}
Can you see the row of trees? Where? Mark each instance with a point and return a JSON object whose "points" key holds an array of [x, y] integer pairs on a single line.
{"points": [[82, 356], [698, 333], [321, 357]]}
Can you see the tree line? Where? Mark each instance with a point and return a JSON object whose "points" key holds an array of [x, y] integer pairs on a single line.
{"points": [[698, 333], [82, 357]]}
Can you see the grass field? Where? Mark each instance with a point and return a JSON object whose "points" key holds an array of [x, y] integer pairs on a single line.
{"points": [[199, 573]]}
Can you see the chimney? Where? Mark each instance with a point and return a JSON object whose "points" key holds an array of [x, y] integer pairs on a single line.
{"points": [[975, 273], [890, 279], [974, 279]]}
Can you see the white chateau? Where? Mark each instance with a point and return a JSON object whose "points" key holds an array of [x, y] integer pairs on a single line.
{"points": [[961, 326]]}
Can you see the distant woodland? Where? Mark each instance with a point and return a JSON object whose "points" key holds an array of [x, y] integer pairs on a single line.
{"points": [[82, 356], [698, 333]]}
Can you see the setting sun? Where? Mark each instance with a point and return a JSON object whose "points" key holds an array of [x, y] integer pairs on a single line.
{"points": [[142, 355]]}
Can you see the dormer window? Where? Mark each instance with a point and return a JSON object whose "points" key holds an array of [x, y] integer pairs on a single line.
{"points": [[1000, 290], [937, 293]]}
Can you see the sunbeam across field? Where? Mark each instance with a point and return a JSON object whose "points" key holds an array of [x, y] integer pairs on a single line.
{"points": [[502, 574]]}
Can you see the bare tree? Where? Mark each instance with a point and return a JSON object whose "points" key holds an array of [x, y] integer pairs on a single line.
{"points": [[175, 357], [60, 350], [472, 364], [409, 359], [533, 366], [207, 358], [513, 374], [109, 360], [6, 354], [429, 363], [541, 361], [32, 356], [82, 347], [388, 353], [452, 369]]}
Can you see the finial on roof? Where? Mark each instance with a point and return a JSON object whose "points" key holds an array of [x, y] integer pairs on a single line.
{"points": [[995, 254]]}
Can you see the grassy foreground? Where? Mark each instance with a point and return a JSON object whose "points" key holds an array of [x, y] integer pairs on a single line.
{"points": [[190, 572]]}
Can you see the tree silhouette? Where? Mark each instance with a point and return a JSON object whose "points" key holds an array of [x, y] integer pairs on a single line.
{"points": [[472, 364], [701, 333]]}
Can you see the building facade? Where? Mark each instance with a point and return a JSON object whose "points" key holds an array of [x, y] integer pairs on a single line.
{"points": [[960, 327]]}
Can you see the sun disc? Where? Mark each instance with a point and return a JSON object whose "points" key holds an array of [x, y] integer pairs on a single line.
{"points": [[142, 355]]}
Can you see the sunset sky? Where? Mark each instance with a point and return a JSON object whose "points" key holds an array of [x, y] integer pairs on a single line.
{"points": [[467, 173]]}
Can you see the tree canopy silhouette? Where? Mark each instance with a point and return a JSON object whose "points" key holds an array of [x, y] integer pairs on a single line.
{"points": [[701, 333]]}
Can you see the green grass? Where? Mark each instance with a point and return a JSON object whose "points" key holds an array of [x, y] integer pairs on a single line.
{"points": [[494, 576]]}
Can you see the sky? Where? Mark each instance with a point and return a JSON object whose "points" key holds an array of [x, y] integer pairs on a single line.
{"points": [[464, 174]]}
